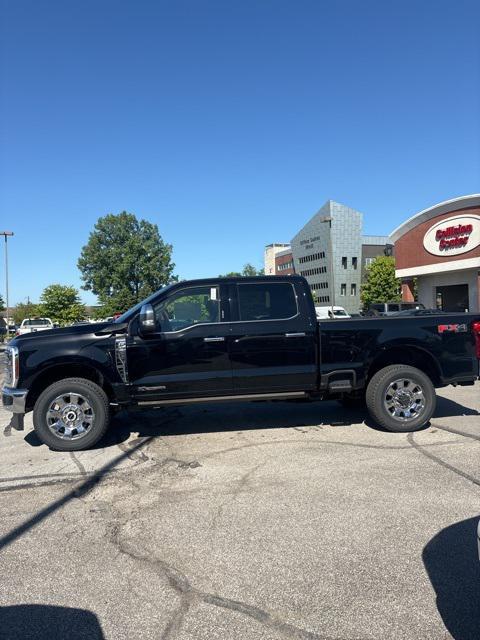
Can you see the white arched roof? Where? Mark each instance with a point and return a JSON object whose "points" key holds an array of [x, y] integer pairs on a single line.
{"points": [[462, 202]]}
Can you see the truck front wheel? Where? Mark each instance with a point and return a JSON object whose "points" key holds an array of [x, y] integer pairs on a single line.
{"points": [[71, 415], [401, 398]]}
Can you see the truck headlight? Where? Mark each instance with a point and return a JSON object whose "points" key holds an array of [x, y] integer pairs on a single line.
{"points": [[11, 367]]}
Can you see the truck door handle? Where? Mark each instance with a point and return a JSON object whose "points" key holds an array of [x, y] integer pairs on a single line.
{"points": [[301, 334], [218, 339]]}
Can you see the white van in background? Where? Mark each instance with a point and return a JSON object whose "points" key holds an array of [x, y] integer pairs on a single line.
{"points": [[324, 313]]}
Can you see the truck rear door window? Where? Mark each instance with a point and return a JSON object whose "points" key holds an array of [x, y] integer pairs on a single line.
{"points": [[266, 301]]}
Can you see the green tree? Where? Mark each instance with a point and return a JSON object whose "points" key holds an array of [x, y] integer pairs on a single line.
{"points": [[248, 270], [61, 304], [380, 284], [124, 260], [24, 310]]}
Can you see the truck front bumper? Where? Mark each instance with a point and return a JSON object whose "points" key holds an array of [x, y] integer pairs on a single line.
{"points": [[14, 400]]}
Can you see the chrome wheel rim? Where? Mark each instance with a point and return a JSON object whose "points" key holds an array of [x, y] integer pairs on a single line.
{"points": [[70, 416], [404, 400]]}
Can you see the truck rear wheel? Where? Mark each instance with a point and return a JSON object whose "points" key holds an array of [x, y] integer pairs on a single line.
{"points": [[401, 398], [71, 415]]}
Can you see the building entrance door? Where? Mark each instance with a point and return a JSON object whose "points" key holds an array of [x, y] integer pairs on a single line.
{"points": [[452, 298]]}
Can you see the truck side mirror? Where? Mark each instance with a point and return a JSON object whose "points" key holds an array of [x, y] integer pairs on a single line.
{"points": [[146, 321]]}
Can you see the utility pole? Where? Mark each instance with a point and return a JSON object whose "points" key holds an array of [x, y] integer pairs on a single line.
{"points": [[6, 234]]}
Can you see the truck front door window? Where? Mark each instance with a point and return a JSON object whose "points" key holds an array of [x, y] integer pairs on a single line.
{"points": [[188, 307]]}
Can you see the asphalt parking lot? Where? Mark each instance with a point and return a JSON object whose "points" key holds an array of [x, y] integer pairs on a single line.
{"points": [[246, 521]]}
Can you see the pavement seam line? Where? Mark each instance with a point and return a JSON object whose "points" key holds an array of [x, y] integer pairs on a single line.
{"points": [[441, 462]]}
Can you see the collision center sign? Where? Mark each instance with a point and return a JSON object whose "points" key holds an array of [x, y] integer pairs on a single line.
{"points": [[453, 236]]}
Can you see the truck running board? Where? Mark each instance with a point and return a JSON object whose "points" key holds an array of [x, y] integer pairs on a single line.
{"points": [[247, 396], [340, 386]]}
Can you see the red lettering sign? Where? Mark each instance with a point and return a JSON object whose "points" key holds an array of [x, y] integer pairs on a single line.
{"points": [[453, 237]]}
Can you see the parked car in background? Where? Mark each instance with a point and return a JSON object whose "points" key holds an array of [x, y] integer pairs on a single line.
{"points": [[324, 313], [32, 325], [390, 308]]}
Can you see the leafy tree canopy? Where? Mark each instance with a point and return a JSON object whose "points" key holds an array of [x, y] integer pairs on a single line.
{"points": [[2, 303], [61, 304], [381, 285], [124, 261], [248, 270], [24, 310]]}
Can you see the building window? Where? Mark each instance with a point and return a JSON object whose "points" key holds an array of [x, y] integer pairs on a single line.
{"points": [[343, 289], [354, 262], [285, 265], [344, 262], [353, 289], [368, 261]]}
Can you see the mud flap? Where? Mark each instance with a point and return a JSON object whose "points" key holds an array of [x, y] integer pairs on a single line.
{"points": [[17, 422]]}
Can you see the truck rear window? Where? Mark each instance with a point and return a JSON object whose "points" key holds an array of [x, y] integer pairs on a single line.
{"points": [[36, 323], [266, 301]]}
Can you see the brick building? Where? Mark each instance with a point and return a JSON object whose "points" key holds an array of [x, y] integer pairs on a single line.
{"points": [[440, 247]]}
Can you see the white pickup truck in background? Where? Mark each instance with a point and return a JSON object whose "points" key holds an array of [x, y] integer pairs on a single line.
{"points": [[32, 325]]}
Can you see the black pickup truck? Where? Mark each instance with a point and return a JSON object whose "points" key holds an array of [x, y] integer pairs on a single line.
{"points": [[230, 339]]}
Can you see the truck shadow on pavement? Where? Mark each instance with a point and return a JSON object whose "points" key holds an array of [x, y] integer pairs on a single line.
{"points": [[218, 417], [241, 416], [212, 418], [452, 564], [46, 622]]}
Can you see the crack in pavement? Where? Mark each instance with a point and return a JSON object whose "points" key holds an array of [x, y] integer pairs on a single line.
{"points": [[318, 443], [190, 595], [72, 478], [50, 479], [139, 456], [78, 464], [455, 431], [441, 462]]}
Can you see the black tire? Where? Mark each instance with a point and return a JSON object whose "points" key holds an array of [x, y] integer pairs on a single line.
{"points": [[381, 396], [96, 416]]}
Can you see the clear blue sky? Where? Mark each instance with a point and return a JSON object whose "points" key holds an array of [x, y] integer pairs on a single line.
{"points": [[228, 123]]}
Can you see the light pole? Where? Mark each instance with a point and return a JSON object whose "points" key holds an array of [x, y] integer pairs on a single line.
{"points": [[6, 234], [330, 251]]}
